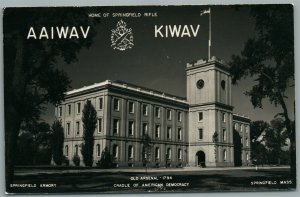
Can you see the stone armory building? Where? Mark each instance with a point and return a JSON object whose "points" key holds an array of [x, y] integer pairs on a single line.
{"points": [[196, 131]]}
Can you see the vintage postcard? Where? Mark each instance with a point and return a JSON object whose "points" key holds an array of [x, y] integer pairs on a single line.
{"points": [[134, 99]]}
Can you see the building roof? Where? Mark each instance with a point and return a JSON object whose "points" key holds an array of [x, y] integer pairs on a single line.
{"points": [[128, 86], [239, 117]]}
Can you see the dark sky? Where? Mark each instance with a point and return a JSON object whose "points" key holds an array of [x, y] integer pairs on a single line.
{"points": [[159, 63]]}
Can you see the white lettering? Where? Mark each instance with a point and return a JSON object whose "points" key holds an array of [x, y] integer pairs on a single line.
{"points": [[185, 31], [86, 32], [62, 32], [74, 33], [31, 33], [156, 31], [44, 33], [175, 30]]}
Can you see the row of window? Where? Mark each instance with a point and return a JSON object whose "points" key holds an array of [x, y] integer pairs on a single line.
{"points": [[225, 156], [78, 107], [115, 152], [145, 110], [116, 106], [131, 152], [200, 134], [77, 127], [131, 129], [224, 136], [200, 117], [241, 127]]}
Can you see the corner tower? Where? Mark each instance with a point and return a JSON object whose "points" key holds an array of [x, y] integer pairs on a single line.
{"points": [[210, 113]]}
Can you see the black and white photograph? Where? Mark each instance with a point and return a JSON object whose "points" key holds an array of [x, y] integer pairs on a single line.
{"points": [[136, 99]]}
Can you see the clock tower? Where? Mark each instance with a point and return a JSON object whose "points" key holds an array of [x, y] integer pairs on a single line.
{"points": [[210, 114]]}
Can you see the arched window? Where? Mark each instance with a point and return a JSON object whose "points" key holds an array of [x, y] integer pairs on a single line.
{"points": [[130, 152], [98, 150], [115, 151], [157, 153], [179, 154], [66, 150], [225, 155], [76, 150]]}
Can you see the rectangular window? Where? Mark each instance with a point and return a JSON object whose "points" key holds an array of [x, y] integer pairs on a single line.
{"points": [[200, 134], [99, 125], [241, 128], [179, 154], [145, 128], [223, 117], [179, 116], [78, 108], [131, 107], [77, 127], [115, 151], [130, 152], [68, 128], [69, 110], [169, 132], [98, 150], [224, 135], [116, 104], [157, 153], [235, 126], [100, 103], [169, 114], [116, 126], [145, 110], [157, 112], [157, 131], [247, 143], [59, 111], [169, 153], [179, 134], [200, 116], [130, 127]]}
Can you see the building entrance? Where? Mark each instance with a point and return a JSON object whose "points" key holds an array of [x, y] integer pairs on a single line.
{"points": [[200, 158]]}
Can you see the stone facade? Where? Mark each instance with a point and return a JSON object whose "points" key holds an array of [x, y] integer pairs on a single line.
{"points": [[197, 131]]}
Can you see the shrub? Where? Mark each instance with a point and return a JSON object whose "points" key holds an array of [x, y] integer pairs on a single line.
{"points": [[66, 161], [76, 160]]}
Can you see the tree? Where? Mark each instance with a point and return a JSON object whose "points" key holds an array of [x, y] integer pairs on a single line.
{"points": [[275, 139], [237, 148], [57, 142], [215, 139], [89, 120], [106, 159], [40, 133], [257, 139], [146, 152], [269, 57], [31, 78]]}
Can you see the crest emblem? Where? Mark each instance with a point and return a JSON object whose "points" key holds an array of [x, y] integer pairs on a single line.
{"points": [[121, 37]]}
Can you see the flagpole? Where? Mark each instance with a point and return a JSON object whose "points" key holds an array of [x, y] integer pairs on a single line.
{"points": [[209, 39]]}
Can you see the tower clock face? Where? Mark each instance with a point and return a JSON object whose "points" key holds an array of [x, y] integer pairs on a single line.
{"points": [[200, 84]]}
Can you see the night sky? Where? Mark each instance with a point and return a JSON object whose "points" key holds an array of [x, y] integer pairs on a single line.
{"points": [[159, 63]]}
